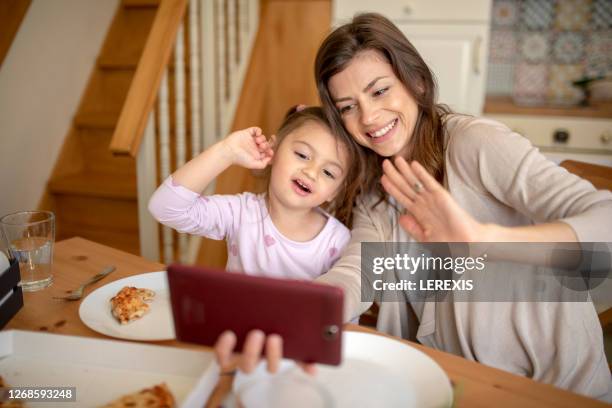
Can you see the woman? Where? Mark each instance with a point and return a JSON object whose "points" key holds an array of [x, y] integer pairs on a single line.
{"points": [[455, 178]]}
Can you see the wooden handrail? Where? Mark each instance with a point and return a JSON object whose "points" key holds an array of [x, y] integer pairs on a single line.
{"points": [[149, 72]]}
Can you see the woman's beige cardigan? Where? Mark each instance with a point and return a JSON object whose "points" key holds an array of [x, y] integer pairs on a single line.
{"points": [[498, 177]]}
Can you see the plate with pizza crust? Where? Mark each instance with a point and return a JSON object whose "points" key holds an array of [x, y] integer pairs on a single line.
{"points": [[376, 371], [155, 325]]}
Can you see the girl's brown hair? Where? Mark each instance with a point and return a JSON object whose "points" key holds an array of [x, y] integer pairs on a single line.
{"points": [[342, 204], [372, 31]]}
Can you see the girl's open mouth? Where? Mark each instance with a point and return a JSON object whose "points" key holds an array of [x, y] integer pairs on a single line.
{"points": [[301, 187]]}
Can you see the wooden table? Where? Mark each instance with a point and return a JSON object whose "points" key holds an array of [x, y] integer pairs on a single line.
{"points": [[76, 259]]}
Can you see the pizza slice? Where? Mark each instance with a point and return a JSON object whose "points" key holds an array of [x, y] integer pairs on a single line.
{"points": [[146, 294], [130, 304], [158, 396]]}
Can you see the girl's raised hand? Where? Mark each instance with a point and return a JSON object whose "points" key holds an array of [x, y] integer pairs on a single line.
{"points": [[248, 148], [432, 215]]}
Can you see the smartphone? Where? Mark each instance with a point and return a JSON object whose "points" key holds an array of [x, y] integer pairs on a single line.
{"points": [[308, 316]]}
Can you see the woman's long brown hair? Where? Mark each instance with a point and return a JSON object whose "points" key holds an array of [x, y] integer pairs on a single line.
{"points": [[372, 31]]}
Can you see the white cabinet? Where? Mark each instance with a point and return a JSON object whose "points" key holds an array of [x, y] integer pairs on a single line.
{"points": [[419, 11], [565, 137], [456, 55], [452, 37]]}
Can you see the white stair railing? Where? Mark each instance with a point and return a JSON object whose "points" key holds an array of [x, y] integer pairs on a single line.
{"points": [[220, 38]]}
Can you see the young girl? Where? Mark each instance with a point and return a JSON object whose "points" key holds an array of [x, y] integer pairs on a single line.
{"points": [[283, 232]]}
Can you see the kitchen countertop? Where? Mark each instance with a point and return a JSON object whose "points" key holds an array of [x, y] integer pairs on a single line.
{"points": [[504, 105]]}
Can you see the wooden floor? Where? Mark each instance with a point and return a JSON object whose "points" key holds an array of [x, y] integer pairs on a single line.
{"points": [[280, 75]]}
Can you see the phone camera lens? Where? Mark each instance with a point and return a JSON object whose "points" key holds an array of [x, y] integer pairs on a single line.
{"points": [[330, 332]]}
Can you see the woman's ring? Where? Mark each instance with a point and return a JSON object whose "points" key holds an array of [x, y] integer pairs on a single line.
{"points": [[418, 187]]}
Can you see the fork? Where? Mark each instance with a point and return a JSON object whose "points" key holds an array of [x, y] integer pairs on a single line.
{"points": [[78, 292]]}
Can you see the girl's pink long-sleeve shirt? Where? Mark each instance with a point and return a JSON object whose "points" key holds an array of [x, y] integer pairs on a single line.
{"points": [[254, 245]]}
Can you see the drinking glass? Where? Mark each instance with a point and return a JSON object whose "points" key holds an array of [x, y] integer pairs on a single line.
{"points": [[30, 236]]}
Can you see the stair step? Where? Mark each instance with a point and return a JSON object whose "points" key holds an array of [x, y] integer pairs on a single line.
{"points": [[98, 212], [114, 239], [107, 63], [112, 62], [140, 3], [98, 158], [104, 220], [107, 91], [95, 185], [128, 35], [96, 120]]}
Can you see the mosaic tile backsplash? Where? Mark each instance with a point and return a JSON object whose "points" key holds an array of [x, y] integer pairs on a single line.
{"points": [[538, 47]]}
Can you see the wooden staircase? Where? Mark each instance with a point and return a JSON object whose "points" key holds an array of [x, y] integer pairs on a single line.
{"points": [[93, 192]]}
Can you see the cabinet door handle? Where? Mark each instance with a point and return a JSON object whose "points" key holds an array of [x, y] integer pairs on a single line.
{"points": [[606, 137], [561, 136], [476, 55]]}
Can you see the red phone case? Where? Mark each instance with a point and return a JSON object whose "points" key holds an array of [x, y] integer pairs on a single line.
{"points": [[307, 315]]}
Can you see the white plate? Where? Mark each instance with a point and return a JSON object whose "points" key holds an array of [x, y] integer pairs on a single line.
{"points": [[157, 324], [377, 372], [102, 370]]}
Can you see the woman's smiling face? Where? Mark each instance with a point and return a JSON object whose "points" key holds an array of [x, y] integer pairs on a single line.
{"points": [[375, 106]]}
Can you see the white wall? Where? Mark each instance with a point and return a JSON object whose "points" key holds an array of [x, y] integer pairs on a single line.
{"points": [[41, 82]]}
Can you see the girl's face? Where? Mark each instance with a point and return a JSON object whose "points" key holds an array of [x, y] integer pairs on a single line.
{"points": [[375, 106], [308, 167]]}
